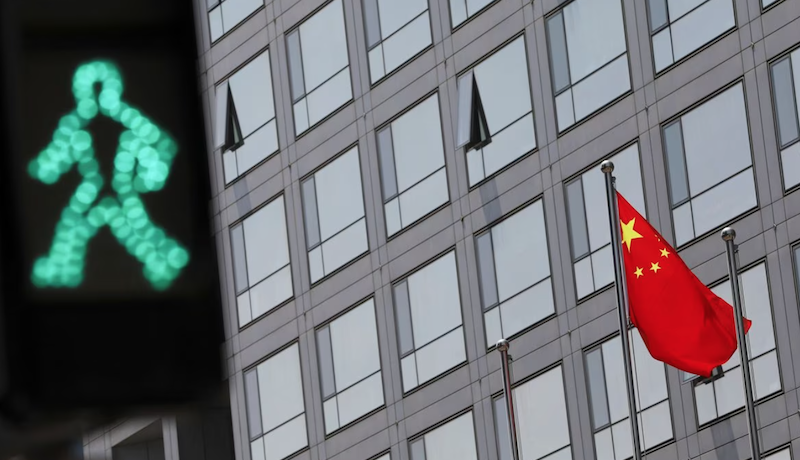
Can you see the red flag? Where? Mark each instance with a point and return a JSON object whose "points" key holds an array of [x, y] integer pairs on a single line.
{"points": [[681, 321]]}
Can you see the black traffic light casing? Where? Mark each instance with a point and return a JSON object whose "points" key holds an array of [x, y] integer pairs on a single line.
{"points": [[109, 288]]}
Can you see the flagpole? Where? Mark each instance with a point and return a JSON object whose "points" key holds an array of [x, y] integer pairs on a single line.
{"points": [[728, 235], [502, 347], [622, 305]]}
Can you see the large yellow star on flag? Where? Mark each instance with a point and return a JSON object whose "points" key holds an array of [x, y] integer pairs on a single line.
{"points": [[628, 233]]}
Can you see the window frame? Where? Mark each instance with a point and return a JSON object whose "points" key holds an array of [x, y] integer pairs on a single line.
{"points": [[231, 105], [240, 222], [218, 4], [597, 346], [764, 9], [470, 69], [705, 46], [560, 363], [308, 247], [326, 324], [579, 176], [786, 54], [664, 157], [795, 254], [384, 200], [254, 368], [408, 61], [697, 380], [400, 355], [454, 28], [547, 17], [421, 435], [486, 230], [296, 29]]}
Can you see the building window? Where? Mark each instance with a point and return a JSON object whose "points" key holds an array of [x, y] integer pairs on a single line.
{"points": [[797, 267], [319, 69], [587, 207], [429, 322], [224, 15], [709, 165], [461, 10], [609, 398], [514, 267], [246, 131], [589, 59], [453, 440], [542, 427], [350, 366], [261, 269], [396, 31], [784, 454], [275, 409], [766, 3], [726, 394], [333, 205], [786, 101], [495, 118], [412, 166], [679, 27]]}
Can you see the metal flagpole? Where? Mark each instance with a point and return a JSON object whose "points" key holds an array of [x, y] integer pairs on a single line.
{"points": [[622, 305], [502, 347], [728, 235]]}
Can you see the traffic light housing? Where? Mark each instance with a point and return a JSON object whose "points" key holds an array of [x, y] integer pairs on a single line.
{"points": [[109, 296]]}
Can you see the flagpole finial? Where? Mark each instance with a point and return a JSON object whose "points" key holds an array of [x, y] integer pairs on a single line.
{"points": [[502, 345], [607, 166], [728, 234]]}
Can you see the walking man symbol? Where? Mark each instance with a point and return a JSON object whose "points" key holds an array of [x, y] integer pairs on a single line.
{"points": [[141, 165]]}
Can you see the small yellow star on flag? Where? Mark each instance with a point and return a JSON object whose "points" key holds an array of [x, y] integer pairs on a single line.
{"points": [[628, 233], [638, 272], [665, 253], [654, 267]]}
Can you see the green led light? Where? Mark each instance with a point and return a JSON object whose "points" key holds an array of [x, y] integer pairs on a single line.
{"points": [[141, 165]]}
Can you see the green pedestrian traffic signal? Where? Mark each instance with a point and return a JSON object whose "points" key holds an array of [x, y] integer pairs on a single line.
{"points": [[109, 273], [141, 165]]}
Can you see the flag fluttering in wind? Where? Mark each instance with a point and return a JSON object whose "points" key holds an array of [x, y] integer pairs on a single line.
{"points": [[681, 321]]}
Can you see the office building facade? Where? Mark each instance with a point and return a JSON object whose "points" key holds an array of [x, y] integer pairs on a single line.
{"points": [[400, 183]]}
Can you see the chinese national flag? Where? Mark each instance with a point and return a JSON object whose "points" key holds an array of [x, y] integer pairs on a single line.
{"points": [[681, 321]]}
